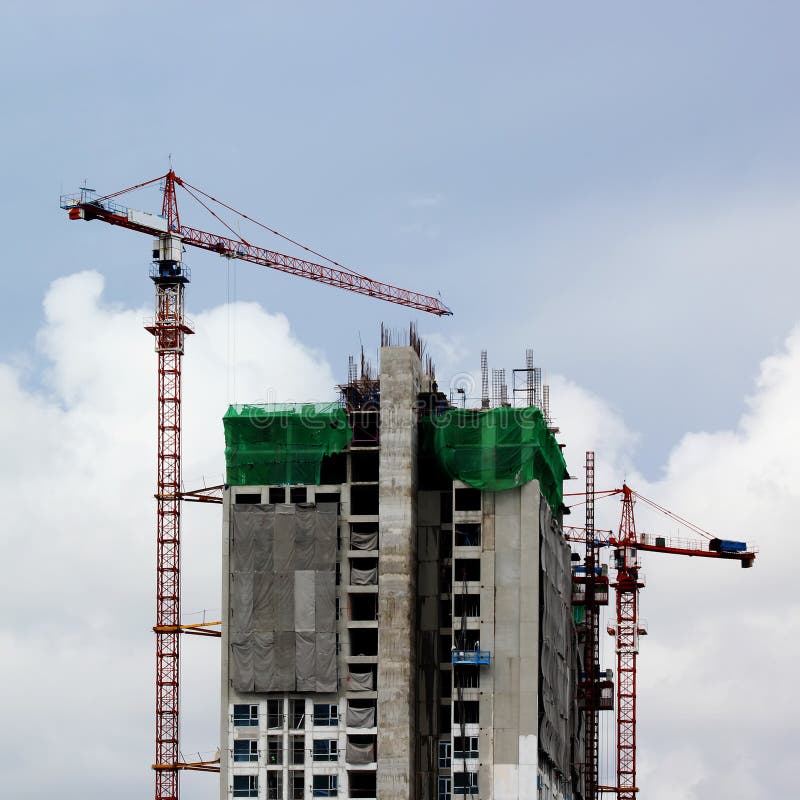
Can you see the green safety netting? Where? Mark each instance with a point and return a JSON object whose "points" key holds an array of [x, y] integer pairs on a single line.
{"points": [[498, 449], [277, 443]]}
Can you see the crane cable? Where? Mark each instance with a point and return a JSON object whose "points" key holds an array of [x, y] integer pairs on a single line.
{"points": [[277, 233]]}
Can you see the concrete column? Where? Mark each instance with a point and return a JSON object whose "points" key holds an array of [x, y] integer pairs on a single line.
{"points": [[400, 382]]}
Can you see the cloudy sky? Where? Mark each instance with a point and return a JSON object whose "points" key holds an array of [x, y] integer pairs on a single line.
{"points": [[613, 186]]}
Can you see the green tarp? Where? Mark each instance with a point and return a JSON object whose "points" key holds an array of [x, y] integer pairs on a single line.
{"points": [[498, 449], [282, 443]]}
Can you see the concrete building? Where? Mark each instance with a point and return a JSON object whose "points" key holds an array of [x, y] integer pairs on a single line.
{"points": [[391, 631]]}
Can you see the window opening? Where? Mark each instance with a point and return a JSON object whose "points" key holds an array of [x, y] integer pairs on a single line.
{"points": [[245, 716], [325, 786], [245, 750], [325, 714], [245, 786], [325, 750]]}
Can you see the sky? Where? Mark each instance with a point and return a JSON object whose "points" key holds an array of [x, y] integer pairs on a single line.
{"points": [[613, 186]]}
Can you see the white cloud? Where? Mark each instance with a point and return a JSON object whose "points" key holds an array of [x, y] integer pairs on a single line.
{"points": [[79, 528], [716, 705], [716, 698]]}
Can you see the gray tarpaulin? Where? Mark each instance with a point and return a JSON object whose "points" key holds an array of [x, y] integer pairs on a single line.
{"points": [[325, 655], [325, 601], [360, 717], [363, 541], [557, 654], [363, 577], [304, 600], [360, 753], [282, 589], [360, 682]]}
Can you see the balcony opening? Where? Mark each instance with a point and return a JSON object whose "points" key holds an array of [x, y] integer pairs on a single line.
{"points": [[466, 712], [467, 605], [468, 534], [277, 494], [327, 497], [333, 469], [466, 676], [468, 640], [298, 494], [363, 784], [363, 571], [363, 607], [363, 535], [366, 428], [363, 641], [248, 499], [468, 499], [364, 466], [467, 569], [364, 500], [361, 750], [362, 713]]}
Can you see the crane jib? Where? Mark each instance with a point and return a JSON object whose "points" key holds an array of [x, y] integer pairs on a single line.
{"points": [[230, 248]]}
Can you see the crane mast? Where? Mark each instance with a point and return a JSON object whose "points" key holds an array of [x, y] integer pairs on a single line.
{"points": [[169, 329], [592, 644], [627, 633]]}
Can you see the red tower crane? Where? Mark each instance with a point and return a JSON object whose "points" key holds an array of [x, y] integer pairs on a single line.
{"points": [[628, 628], [169, 327]]}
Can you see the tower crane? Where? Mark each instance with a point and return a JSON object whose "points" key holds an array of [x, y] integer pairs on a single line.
{"points": [[169, 328], [628, 628]]}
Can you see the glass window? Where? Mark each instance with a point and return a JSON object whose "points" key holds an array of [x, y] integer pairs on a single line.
{"points": [[465, 783], [275, 750], [325, 714], [245, 750], [274, 713], [465, 747], [297, 784], [325, 786], [245, 786], [444, 788], [325, 750], [444, 754], [275, 785], [298, 749], [297, 710], [245, 715]]}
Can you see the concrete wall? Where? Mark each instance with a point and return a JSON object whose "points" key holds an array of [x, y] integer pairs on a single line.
{"points": [[401, 382], [512, 771]]}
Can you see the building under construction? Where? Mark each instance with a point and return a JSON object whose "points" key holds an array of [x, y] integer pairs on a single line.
{"points": [[397, 618]]}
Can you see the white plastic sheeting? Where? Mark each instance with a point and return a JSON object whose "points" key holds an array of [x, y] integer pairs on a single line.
{"points": [[363, 577], [363, 541], [360, 682], [282, 588], [360, 753], [360, 717]]}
